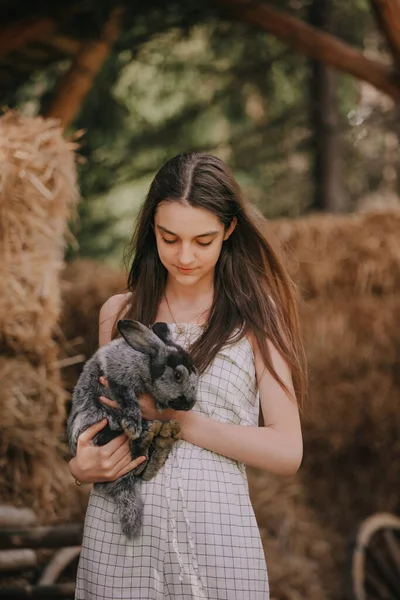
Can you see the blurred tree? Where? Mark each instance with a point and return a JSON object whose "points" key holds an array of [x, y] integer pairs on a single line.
{"points": [[329, 191], [179, 78]]}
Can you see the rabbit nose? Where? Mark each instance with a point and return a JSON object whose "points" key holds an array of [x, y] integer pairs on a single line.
{"points": [[181, 403]]}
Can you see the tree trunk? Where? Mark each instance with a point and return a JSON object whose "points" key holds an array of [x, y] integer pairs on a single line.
{"points": [[387, 13], [16, 35], [329, 192], [78, 81], [314, 43]]}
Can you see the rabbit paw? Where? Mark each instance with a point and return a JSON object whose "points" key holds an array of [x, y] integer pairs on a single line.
{"points": [[170, 433], [171, 429], [132, 430], [152, 431]]}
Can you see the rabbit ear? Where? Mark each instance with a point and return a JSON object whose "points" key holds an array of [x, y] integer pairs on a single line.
{"points": [[139, 337], [162, 331]]}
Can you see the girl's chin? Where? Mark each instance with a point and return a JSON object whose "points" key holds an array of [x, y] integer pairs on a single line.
{"points": [[188, 279]]}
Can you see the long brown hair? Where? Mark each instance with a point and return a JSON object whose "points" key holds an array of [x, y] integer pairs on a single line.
{"points": [[252, 291]]}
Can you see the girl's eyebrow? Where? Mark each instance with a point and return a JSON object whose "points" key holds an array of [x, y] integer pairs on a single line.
{"points": [[198, 236]]}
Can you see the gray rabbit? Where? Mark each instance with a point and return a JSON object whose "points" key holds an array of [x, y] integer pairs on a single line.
{"points": [[142, 361]]}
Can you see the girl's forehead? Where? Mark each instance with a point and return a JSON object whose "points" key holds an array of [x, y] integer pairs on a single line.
{"points": [[183, 218]]}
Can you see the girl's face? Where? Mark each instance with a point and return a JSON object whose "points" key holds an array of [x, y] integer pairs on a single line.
{"points": [[189, 240]]}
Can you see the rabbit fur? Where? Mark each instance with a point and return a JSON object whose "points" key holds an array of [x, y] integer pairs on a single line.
{"points": [[142, 361]]}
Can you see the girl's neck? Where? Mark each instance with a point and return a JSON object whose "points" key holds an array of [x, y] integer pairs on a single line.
{"points": [[185, 296]]}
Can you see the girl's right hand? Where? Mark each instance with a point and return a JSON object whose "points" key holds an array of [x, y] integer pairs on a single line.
{"points": [[94, 464]]}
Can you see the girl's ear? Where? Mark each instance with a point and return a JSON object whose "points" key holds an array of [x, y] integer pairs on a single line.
{"points": [[230, 228]]}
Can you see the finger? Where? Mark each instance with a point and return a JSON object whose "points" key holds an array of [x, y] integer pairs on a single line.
{"points": [[122, 460], [89, 433], [108, 402], [131, 465], [103, 381], [123, 450], [116, 443]]}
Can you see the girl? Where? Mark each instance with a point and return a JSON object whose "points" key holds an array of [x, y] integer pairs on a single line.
{"points": [[202, 264]]}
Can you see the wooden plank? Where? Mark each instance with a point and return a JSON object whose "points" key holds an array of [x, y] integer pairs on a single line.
{"points": [[11, 516], [314, 43], [41, 537], [17, 560], [38, 592]]}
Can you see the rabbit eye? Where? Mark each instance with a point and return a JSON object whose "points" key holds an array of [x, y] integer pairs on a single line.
{"points": [[178, 376]]}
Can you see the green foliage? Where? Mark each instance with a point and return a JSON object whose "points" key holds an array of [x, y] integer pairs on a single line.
{"points": [[181, 79]]}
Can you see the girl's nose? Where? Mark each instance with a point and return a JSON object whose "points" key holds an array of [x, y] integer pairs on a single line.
{"points": [[186, 256]]}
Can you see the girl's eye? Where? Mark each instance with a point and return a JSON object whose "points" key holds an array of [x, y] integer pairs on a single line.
{"points": [[174, 242]]}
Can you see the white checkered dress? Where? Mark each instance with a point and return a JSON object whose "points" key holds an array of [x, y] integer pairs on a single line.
{"points": [[200, 539]]}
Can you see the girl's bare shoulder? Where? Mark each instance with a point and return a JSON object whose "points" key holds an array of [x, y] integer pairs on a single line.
{"points": [[113, 305], [109, 312]]}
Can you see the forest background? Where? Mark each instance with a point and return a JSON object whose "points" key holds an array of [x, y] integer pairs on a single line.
{"points": [[299, 136]]}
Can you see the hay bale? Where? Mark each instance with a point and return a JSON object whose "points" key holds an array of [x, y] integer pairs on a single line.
{"points": [[348, 271], [330, 255], [33, 403], [341, 412], [33, 448], [38, 194], [300, 552], [85, 286], [350, 335]]}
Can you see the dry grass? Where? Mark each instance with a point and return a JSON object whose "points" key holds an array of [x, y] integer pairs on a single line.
{"points": [[347, 335], [300, 552], [330, 255], [38, 194], [85, 286]]}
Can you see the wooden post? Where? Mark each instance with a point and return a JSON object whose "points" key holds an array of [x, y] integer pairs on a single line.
{"points": [[387, 13], [17, 34], [324, 116], [78, 81], [314, 43]]}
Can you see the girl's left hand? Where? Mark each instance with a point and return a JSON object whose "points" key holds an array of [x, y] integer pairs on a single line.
{"points": [[147, 406]]}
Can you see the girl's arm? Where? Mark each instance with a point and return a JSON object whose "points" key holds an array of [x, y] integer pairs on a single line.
{"points": [[276, 447]]}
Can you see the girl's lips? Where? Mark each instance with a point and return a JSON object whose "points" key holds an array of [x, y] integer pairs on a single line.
{"points": [[185, 270]]}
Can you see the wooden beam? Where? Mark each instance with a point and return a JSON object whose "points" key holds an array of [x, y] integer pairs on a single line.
{"points": [[387, 13], [12, 516], [38, 592], [78, 81], [17, 560], [313, 43], [18, 34], [41, 537]]}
